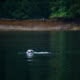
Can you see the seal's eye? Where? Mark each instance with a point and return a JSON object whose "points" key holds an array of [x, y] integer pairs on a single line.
{"points": [[29, 51]]}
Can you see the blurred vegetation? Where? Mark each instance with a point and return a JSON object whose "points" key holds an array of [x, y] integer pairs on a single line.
{"points": [[36, 9]]}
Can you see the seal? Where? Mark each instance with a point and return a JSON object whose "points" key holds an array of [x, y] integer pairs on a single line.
{"points": [[30, 53]]}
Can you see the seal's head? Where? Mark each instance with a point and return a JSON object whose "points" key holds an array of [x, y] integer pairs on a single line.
{"points": [[29, 53]]}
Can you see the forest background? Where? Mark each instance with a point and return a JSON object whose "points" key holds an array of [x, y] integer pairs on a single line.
{"points": [[37, 9]]}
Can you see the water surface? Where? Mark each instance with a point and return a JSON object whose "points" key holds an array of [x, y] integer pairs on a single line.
{"points": [[62, 64]]}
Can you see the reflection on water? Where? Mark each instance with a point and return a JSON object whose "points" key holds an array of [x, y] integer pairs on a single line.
{"points": [[62, 64], [38, 68]]}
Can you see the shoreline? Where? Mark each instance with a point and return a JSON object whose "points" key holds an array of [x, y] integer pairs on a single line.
{"points": [[37, 25]]}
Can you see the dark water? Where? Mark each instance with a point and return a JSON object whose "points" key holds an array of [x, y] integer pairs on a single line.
{"points": [[62, 64]]}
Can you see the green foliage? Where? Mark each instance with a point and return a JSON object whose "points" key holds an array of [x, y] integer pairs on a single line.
{"points": [[74, 11], [59, 13], [68, 8], [30, 9]]}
